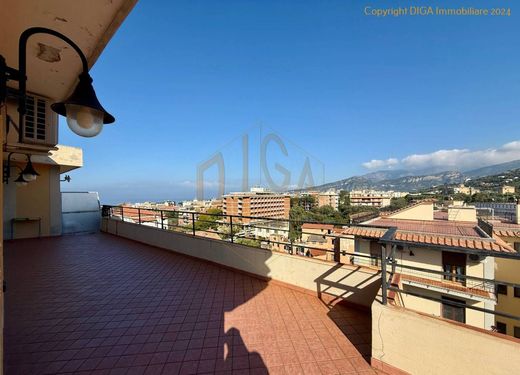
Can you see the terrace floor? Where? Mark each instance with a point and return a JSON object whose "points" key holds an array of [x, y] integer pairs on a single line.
{"points": [[100, 304]]}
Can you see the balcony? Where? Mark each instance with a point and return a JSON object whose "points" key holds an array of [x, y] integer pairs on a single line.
{"points": [[103, 304]]}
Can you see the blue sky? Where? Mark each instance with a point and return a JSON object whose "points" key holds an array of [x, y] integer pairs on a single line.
{"points": [[186, 79]]}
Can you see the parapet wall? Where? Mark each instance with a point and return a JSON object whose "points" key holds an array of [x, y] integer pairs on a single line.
{"points": [[405, 341], [353, 284]]}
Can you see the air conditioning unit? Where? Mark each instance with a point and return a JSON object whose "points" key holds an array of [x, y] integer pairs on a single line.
{"points": [[41, 123]]}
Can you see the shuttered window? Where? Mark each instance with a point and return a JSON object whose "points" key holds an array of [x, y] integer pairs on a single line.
{"points": [[35, 119]]}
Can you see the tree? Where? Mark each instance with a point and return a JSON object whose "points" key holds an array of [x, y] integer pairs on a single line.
{"points": [[344, 200], [307, 202], [208, 220]]}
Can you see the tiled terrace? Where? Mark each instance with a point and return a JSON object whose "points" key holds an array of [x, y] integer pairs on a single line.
{"points": [[99, 304]]}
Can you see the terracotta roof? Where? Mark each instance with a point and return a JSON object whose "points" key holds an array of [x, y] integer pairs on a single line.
{"points": [[365, 232], [411, 205], [472, 243], [505, 229], [504, 232], [317, 226], [458, 228], [134, 212]]}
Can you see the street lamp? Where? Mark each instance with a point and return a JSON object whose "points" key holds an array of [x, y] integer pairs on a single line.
{"points": [[85, 115]]}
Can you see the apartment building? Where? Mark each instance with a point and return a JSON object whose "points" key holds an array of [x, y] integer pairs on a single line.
{"points": [[442, 245], [256, 203], [370, 198], [320, 199], [468, 190], [506, 189], [508, 295], [318, 240]]}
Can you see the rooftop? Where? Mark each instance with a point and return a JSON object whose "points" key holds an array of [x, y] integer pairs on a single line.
{"points": [[101, 304], [504, 228], [456, 228], [431, 232], [317, 226]]}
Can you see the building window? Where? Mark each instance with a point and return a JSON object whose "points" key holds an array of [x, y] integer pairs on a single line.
{"points": [[501, 327], [452, 312], [517, 292], [502, 289], [516, 332], [455, 265]]}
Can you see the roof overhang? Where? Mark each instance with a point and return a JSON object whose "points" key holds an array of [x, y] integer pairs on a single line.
{"points": [[52, 65]]}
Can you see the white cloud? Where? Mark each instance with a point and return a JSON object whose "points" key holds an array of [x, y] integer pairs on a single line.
{"points": [[378, 164], [459, 159]]}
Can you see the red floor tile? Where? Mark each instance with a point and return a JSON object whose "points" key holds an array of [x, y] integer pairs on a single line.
{"points": [[104, 305]]}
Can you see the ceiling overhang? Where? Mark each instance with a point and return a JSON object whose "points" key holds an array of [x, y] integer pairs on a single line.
{"points": [[52, 65]]}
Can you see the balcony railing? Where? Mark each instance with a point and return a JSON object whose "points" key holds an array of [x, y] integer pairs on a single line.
{"points": [[283, 235], [287, 235]]}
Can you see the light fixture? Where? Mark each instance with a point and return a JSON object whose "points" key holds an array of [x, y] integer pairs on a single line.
{"points": [[85, 115], [20, 181], [29, 174]]}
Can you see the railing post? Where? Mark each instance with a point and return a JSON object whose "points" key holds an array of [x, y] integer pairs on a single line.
{"points": [[337, 244], [231, 227], [394, 262], [122, 214], [384, 285], [139, 214], [162, 220], [193, 222]]}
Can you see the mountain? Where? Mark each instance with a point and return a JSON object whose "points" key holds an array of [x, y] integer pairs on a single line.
{"points": [[402, 180], [493, 182], [493, 169], [406, 183]]}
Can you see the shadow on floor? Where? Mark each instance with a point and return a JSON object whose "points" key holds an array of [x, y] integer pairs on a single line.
{"points": [[102, 304]]}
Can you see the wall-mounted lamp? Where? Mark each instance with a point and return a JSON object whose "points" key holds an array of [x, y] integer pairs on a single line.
{"points": [[85, 115], [66, 178], [27, 174], [20, 181]]}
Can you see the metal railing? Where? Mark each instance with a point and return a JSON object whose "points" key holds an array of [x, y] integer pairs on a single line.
{"points": [[277, 234], [288, 236], [446, 283]]}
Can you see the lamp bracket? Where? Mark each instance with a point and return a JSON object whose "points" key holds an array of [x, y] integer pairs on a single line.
{"points": [[6, 74], [6, 172], [9, 121]]}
